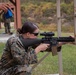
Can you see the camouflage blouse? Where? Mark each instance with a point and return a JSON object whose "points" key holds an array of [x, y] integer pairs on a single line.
{"points": [[15, 58]]}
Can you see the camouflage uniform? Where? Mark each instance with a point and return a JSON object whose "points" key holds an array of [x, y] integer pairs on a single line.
{"points": [[7, 25], [15, 59]]}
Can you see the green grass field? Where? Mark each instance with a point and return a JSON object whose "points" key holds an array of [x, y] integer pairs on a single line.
{"points": [[50, 64]]}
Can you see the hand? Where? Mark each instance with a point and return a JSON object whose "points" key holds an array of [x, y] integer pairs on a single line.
{"points": [[61, 43], [41, 47], [6, 6], [74, 41]]}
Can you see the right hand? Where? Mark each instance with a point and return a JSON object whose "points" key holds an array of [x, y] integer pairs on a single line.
{"points": [[5, 7], [41, 47]]}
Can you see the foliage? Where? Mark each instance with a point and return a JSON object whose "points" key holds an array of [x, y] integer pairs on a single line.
{"points": [[51, 27], [41, 10], [37, 1], [38, 11], [67, 28], [67, 8]]}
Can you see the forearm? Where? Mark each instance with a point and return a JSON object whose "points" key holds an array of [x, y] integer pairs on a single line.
{"points": [[37, 50], [41, 47]]}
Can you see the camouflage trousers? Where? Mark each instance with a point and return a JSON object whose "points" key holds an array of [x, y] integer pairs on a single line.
{"points": [[7, 27]]}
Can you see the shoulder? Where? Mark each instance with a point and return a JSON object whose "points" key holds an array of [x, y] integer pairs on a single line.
{"points": [[13, 39]]}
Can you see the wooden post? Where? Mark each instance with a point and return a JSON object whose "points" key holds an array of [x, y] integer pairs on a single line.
{"points": [[18, 14], [59, 34]]}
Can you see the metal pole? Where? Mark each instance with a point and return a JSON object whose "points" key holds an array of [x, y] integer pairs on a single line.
{"points": [[59, 34], [75, 20]]}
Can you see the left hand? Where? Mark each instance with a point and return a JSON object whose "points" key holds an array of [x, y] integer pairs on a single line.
{"points": [[61, 43], [74, 41]]}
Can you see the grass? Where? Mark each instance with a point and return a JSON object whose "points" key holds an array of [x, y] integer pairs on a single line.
{"points": [[50, 64], [1, 48]]}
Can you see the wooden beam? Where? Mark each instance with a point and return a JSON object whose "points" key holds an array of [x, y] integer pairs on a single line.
{"points": [[18, 14]]}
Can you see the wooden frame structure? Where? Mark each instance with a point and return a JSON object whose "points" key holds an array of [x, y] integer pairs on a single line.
{"points": [[17, 13]]}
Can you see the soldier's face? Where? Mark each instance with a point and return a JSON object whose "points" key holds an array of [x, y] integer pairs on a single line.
{"points": [[34, 34]]}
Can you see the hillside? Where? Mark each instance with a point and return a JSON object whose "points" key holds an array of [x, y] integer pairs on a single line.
{"points": [[43, 12]]}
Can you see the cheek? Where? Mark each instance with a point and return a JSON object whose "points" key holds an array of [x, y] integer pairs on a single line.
{"points": [[33, 36]]}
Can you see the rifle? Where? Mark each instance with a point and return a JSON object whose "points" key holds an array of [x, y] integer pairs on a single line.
{"points": [[48, 39]]}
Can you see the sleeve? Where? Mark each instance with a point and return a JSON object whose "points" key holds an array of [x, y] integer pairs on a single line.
{"points": [[32, 57], [18, 53]]}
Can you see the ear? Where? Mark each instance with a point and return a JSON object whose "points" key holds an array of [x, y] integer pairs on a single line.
{"points": [[28, 34]]}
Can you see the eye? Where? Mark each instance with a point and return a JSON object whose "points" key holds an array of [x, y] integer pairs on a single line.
{"points": [[35, 34]]}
